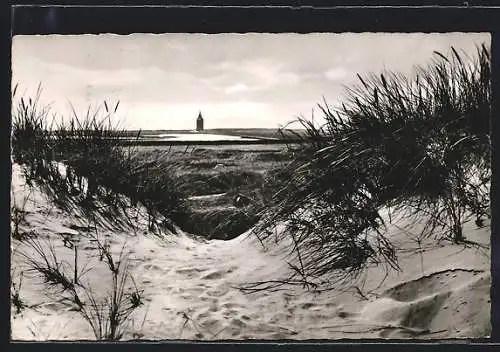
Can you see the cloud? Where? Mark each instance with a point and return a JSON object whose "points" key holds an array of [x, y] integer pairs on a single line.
{"points": [[237, 88], [177, 74], [258, 73], [336, 73]]}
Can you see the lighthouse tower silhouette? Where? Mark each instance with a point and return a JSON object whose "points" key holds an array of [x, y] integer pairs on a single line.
{"points": [[199, 122]]}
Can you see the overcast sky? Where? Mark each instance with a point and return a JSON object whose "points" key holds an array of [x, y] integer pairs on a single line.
{"points": [[250, 80]]}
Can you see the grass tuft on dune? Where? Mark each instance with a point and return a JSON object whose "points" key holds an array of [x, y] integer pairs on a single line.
{"points": [[81, 164], [416, 145]]}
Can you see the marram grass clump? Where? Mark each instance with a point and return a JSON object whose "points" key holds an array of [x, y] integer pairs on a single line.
{"points": [[81, 163], [417, 145]]}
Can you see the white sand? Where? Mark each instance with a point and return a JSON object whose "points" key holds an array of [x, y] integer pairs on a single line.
{"points": [[189, 288]]}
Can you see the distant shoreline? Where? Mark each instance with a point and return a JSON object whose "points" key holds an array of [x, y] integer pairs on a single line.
{"points": [[169, 142], [229, 136]]}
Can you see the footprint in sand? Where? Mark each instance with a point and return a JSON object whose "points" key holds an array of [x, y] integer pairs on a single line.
{"points": [[231, 269], [231, 305], [203, 315], [218, 274], [307, 305], [213, 275], [176, 289], [344, 314], [230, 313], [214, 307], [152, 267], [189, 272], [237, 322], [218, 292]]}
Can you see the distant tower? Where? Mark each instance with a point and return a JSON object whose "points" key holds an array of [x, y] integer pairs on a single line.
{"points": [[199, 122]]}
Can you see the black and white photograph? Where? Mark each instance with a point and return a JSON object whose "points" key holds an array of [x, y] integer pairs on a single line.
{"points": [[252, 186]]}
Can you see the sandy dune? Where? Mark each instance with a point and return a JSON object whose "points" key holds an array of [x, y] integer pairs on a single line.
{"points": [[191, 287]]}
